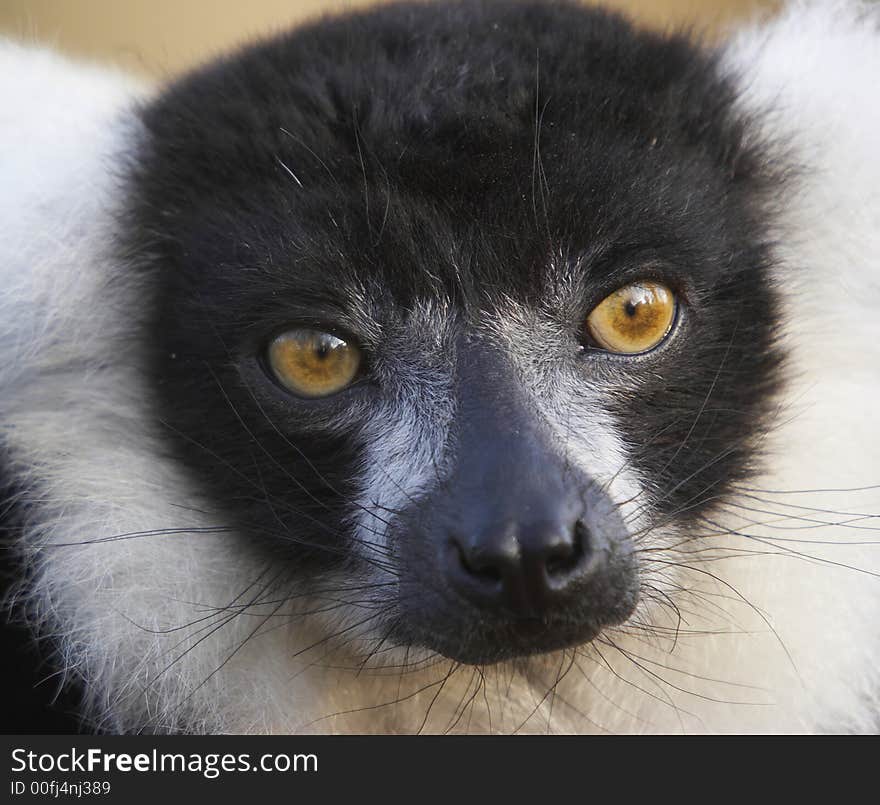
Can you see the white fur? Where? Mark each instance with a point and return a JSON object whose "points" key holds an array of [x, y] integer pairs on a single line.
{"points": [[771, 641]]}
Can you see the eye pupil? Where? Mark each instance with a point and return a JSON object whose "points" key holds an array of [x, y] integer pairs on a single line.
{"points": [[630, 309]]}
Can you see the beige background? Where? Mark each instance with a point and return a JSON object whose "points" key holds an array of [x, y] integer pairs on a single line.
{"points": [[161, 37]]}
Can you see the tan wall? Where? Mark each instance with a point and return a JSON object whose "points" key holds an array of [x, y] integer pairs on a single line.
{"points": [[162, 37]]}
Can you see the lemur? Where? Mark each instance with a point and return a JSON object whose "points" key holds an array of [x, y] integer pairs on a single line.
{"points": [[450, 367]]}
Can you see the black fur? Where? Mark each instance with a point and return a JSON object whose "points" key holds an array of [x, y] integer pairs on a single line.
{"points": [[361, 166]]}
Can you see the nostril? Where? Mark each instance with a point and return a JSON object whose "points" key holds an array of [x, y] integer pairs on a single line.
{"points": [[563, 557], [485, 571], [527, 570], [562, 560]]}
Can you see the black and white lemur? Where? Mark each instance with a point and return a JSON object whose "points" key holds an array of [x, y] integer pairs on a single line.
{"points": [[479, 366]]}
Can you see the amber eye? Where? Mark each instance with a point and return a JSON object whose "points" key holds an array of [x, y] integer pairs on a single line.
{"points": [[312, 363], [633, 319]]}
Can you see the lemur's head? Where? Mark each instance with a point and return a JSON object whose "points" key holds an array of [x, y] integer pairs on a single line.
{"points": [[462, 319]]}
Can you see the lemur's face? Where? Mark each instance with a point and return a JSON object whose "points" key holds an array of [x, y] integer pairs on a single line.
{"points": [[459, 342]]}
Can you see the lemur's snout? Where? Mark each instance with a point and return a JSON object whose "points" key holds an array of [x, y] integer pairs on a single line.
{"points": [[518, 550], [528, 567], [522, 527]]}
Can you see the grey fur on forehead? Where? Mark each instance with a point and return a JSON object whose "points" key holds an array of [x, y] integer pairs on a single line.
{"points": [[432, 322]]}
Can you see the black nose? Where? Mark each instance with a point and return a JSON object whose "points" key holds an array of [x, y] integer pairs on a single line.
{"points": [[527, 569], [517, 549], [513, 513]]}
